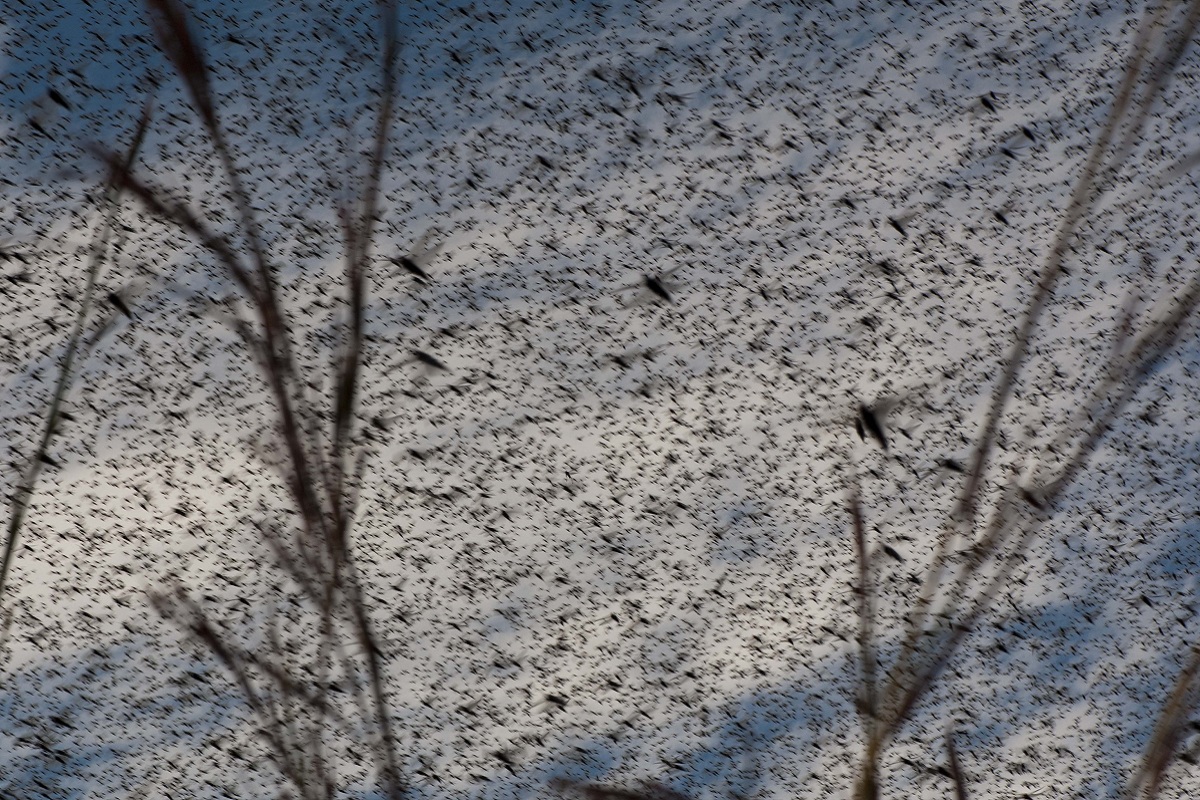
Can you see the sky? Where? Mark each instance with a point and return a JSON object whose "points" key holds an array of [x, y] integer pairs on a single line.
{"points": [[633, 503]]}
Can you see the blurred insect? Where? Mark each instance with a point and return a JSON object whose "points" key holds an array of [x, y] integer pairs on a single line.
{"points": [[869, 422], [544, 162], [57, 97], [665, 98], [552, 702], [122, 301], [1004, 213], [871, 419], [627, 359], [8, 252], [118, 302], [773, 290], [509, 757], [943, 468], [1017, 142], [417, 260], [433, 362], [900, 221], [1033, 497], [656, 287], [752, 511]]}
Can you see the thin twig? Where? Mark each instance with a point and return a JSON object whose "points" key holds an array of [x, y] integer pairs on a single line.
{"points": [[906, 684], [956, 773], [1167, 732], [111, 205], [866, 615]]}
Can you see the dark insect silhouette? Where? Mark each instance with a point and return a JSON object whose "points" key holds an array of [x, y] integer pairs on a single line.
{"points": [[870, 420], [1032, 497], [659, 286], [119, 304], [655, 284], [626, 360], [418, 259], [901, 220], [507, 757], [868, 423], [430, 361], [412, 267], [554, 701], [7, 252]]}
